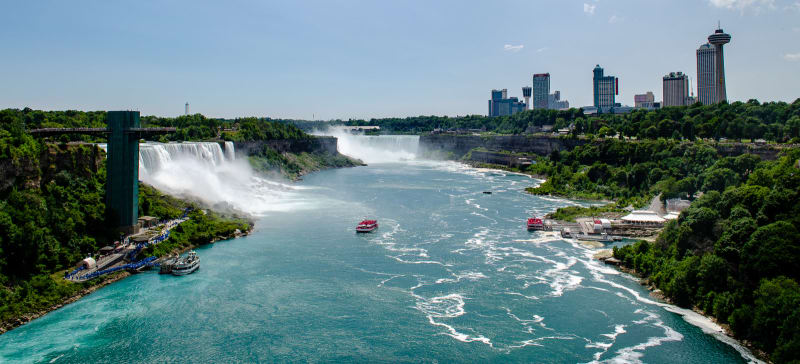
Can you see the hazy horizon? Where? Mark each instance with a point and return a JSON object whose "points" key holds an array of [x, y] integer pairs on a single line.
{"points": [[328, 60]]}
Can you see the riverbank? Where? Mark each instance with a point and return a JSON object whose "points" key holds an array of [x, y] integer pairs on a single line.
{"points": [[541, 178], [606, 256], [746, 348], [86, 288]]}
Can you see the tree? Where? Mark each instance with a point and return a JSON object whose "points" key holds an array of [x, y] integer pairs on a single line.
{"points": [[773, 250], [775, 301]]}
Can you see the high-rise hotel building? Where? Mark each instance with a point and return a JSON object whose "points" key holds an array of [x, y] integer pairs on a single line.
{"points": [[711, 69], [605, 89], [501, 105], [676, 89], [541, 90]]}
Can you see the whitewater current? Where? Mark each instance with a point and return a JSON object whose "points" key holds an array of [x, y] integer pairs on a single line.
{"points": [[451, 275]]}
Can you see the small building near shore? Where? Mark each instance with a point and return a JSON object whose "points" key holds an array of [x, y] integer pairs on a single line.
{"points": [[106, 250], [601, 225], [644, 218], [146, 222]]}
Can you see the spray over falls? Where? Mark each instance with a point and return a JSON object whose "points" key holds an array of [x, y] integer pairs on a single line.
{"points": [[375, 148], [206, 172]]}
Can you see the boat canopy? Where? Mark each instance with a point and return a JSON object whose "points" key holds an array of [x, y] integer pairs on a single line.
{"points": [[89, 263]]}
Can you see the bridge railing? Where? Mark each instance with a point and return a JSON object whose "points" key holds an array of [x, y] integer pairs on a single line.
{"points": [[70, 131], [94, 131]]}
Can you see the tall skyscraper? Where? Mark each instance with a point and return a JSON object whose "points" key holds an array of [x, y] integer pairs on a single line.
{"points": [[711, 69], [706, 92], [502, 105], [541, 90], [605, 89], [676, 89]]}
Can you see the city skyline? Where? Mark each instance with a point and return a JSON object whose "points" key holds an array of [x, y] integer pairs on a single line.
{"points": [[302, 59]]}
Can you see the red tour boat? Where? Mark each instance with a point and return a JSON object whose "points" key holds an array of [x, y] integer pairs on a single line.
{"points": [[367, 226], [535, 223]]}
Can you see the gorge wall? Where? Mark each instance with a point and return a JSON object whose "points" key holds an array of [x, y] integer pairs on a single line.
{"points": [[79, 159], [456, 146]]}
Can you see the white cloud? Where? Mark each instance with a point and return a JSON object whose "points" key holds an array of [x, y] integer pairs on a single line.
{"points": [[589, 9], [540, 50], [792, 57], [615, 19], [743, 4], [513, 48], [794, 6]]}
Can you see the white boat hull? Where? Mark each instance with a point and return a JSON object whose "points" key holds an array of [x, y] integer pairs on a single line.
{"points": [[183, 272]]}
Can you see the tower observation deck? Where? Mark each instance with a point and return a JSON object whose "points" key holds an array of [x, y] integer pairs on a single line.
{"points": [[719, 39], [122, 165]]}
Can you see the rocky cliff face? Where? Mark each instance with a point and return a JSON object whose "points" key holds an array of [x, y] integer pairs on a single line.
{"points": [[502, 159], [765, 151], [456, 146], [459, 145], [79, 159]]}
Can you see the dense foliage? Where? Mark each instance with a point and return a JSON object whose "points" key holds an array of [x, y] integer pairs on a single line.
{"points": [[202, 228], [194, 127], [631, 172], [52, 211], [735, 253], [198, 127], [773, 121], [293, 165]]}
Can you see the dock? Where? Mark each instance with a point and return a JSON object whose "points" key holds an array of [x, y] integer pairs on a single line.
{"points": [[123, 257]]}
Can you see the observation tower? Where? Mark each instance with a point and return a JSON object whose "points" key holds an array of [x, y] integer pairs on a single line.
{"points": [[526, 94], [718, 40]]}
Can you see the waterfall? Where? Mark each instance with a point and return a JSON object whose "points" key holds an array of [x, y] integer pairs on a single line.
{"points": [[153, 157], [208, 173], [376, 148], [230, 154]]}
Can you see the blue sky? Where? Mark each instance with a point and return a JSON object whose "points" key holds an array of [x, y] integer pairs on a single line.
{"points": [[361, 59]]}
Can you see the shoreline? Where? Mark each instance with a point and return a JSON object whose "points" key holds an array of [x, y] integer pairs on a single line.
{"points": [[117, 276], [604, 256], [538, 177]]}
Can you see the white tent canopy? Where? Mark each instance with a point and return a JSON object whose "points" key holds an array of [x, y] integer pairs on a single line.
{"points": [[643, 217]]}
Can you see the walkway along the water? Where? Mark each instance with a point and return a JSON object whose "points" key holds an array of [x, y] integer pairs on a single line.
{"points": [[123, 257]]}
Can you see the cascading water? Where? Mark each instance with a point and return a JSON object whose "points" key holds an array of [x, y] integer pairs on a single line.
{"points": [[153, 157], [377, 148], [206, 172]]}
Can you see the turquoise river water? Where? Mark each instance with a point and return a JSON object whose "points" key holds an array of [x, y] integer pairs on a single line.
{"points": [[451, 275]]}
